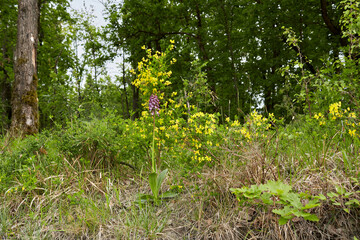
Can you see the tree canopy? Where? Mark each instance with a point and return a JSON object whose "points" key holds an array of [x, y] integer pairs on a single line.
{"points": [[248, 51]]}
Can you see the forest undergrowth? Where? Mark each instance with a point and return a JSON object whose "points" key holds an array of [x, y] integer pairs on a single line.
{"points": [[84, 180], [257, 180], [179, 172]]}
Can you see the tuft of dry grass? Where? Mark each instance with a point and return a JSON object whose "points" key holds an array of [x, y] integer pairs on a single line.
{"points": [[101, 204]]}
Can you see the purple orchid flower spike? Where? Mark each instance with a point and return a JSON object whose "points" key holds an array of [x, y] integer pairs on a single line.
{"points": [[154, 104]]}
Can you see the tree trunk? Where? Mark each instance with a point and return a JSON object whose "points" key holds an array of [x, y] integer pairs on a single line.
{"points": [[24, 101], [126, 109], [229, 45], [202, 51]]}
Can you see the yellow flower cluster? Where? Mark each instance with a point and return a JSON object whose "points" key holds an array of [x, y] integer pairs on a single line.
{"points": [[343, 115], [199, 132], [258, 120], [320, 117], [245, 133], [255, 128], [152, 74], [335, 110], [173, 132], [203, 123], [198, 158], [352, 132], [15, 189]]}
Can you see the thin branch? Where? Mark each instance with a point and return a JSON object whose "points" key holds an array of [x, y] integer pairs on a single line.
{"points": [[303, 58], [331, 26]]}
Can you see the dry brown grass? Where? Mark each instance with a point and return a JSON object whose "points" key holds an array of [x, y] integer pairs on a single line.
{"points": [[103, 206]]}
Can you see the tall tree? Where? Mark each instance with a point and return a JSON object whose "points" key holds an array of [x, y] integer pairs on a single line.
{"points": [[24, 101], [241, 40]]}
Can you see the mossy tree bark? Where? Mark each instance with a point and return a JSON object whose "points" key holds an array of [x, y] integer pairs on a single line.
{"points": [[24, 100]]}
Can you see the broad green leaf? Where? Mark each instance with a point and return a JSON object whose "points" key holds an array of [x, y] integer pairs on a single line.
{"points": [[278, 187], [306, 216], [153, 184], [286, 212], [303, 195], [283, 221], [235, 191], [160, 179], [145, 196], [352, 201], [168, 195], [300, 213], [266, 198], [340, 190], [239, 190], [293, 199], [312, 217], [332, 194], [321, 197], [311, 204], [262, 187], [348, 194], [253, 192], [354, 179]]}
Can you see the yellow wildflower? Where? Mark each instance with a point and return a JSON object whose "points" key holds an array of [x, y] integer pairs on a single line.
{"points": [[318, 115], [352, 132], [235, 123], [352, 115], [334, 110]]}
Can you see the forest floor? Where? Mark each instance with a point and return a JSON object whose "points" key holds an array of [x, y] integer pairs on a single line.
{"points": [[280, 190], [95, 204]]}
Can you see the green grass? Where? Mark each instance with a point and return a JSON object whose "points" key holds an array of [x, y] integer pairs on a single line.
{"points": [[72, 183]]}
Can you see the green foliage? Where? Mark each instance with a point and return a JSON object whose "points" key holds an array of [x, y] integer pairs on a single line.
{"points": [[196, 90], [146, 219], [181, 128], [82, 144], [338, 79], [278, 194], [8, 15], [208, 132], [344, 199], [337, 128], [92, 139], [155, 182]]}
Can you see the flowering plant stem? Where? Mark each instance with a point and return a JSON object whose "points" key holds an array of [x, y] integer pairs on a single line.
{"points": [[155, 179], [153, 164]]}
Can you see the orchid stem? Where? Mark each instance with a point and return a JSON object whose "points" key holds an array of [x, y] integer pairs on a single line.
{"points": [[153, 149]]}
